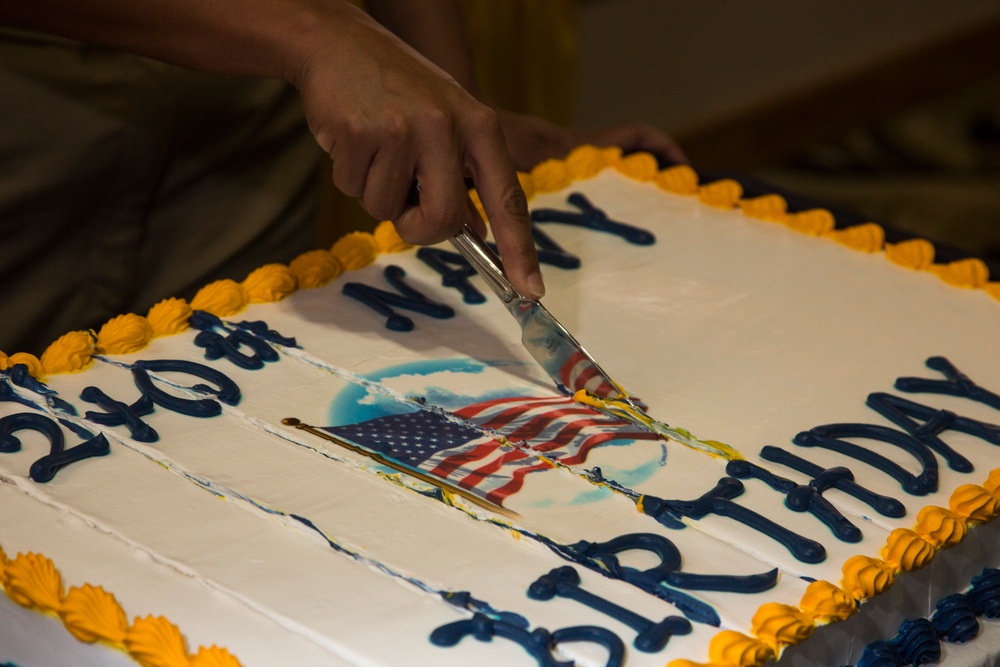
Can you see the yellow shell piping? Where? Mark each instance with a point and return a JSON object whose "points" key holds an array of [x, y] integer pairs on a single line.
{"points": [[92, 615]]}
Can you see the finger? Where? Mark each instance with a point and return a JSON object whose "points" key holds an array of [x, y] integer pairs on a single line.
{"points": [[653, 141], [350, 168], [389, 182], [507, 209], [641, 137], [442, 208]]}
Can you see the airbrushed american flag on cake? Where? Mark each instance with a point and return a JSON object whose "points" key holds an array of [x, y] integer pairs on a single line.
{"points": [[352, 460], [463, 455]]}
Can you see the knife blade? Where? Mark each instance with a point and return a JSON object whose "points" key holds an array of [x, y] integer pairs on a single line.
{"points": [[555, 349]]}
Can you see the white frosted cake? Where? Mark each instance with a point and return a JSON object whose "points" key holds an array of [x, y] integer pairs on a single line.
{"points": [[353, 461]]}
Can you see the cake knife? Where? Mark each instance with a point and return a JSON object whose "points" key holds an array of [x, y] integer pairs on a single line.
{"points": [[566, 361]]}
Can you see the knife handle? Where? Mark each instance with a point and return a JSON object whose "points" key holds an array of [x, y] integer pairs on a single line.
{"points": [[485, 262]]}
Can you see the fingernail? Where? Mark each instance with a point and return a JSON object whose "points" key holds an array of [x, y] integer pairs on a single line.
{"points": [[536, 285]]}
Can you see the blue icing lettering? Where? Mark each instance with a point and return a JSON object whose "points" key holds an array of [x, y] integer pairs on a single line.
{"points": [[903, 412], [591, 217], [254, 336], [603, 557], [550, 252], [226, 390], [804, 497], [719, 501], [455, 272], [831, 436], [117, 413], [884, 505], [955, 383], [565, 582], [45, 468], [382, 301], [539, 643]]}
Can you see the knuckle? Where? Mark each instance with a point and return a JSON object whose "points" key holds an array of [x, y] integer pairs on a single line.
{"points": [[439, 120], [395, 126], [352, 127], [484, 118]]}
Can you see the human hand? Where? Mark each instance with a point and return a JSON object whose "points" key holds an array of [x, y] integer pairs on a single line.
{"points": [[531, 140], [388, 117]]}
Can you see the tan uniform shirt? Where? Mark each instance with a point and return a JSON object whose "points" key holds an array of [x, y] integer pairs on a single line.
{"points": [[124, 180]]}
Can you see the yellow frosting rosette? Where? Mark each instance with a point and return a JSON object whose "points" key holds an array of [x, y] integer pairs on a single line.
{"points": [[169, 316], [965, 273], [585, 162], [907, 550], [70, 353], [866, 577], [156, 642], [355, 250], [124, 334], [868, 237], [780, 625], [680, 179], [721, 194], [992, 483], [269, 283], [766, 207], [975, 503], [550, 176], [221, 298], [825, 602], [32, 581], [92, 614], [213, 656], [916, 254], [941, 527], [730, 648], [315, 268], [639, 166], [814, 222]]}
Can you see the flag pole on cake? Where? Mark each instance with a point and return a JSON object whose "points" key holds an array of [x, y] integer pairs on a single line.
{"points": [[437, 482]]}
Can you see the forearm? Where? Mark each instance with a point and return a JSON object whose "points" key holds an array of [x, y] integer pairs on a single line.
{"points": [[259, 37], [435, 28]]}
